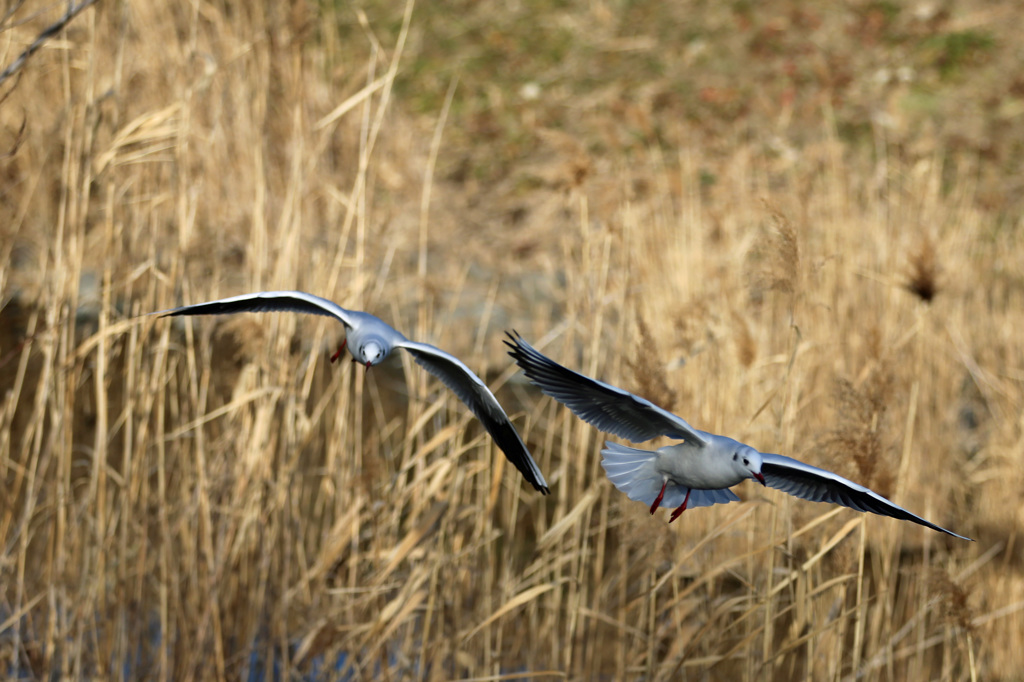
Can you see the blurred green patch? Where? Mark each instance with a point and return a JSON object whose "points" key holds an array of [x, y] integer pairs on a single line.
{"points": [[952, 53], [922, 100]]}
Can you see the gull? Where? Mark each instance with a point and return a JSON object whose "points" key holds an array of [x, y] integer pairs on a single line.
{"points": [[699, 470], [370, 340]]}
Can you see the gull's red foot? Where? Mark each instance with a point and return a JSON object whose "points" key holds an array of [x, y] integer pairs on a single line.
{"points": [[680, 510], [657, 501], [341, 349]]}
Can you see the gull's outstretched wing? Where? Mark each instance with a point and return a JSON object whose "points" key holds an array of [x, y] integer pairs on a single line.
{"points": [[267, 302], [818, 485], [454, 374], [608, 408]]}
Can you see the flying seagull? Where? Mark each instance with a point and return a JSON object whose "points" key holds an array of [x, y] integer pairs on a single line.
{"points": [[699, 470], [370, 340]]}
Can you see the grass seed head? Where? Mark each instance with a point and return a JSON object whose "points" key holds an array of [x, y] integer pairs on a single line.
{"points": [[648, 373], [923, 278], [774, 261], [955, 600], [861, 430]]}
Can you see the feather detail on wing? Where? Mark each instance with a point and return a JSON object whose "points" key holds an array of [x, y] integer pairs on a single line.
{"points": [[472, 391], [266, 302], [819, 485], [602, 405]]}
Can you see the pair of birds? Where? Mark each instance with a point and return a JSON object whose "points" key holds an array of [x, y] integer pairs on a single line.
{"points": [[696, 472]]}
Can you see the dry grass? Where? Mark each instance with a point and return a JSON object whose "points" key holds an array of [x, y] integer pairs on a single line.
{"points": [[213, 499]]}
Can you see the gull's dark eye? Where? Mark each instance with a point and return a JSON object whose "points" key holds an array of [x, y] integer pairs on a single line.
{"points": [[746, 462], [734, 456]]}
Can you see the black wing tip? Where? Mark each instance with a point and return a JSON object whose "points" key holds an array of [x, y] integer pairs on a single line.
{"points": [[528, 357], [927, 524], [949, 532], [193, 310], [516, 343], [527, 468], [508, 440]]}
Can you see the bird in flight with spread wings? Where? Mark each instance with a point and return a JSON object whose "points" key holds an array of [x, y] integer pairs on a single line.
{"points": [[697, 471], [370, 340]]}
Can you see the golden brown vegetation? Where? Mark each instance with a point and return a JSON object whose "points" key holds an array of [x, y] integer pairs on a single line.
{"points": [[725, 219]]}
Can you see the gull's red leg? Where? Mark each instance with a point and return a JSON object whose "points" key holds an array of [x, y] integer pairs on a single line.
{"points": [[657, 501], [340, 350], [680, 510]]}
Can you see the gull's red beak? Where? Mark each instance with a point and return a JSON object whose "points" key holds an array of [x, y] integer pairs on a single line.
{"points": [[369, 364], [760, 477]]}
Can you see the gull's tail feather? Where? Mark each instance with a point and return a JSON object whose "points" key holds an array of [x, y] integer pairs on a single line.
{"points": [[632, 471]]}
